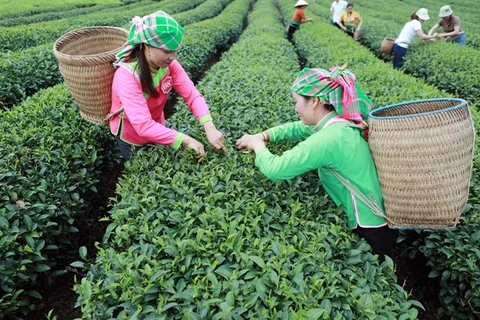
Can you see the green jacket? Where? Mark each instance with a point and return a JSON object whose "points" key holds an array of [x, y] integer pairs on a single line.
{"points": [[338, 147]]}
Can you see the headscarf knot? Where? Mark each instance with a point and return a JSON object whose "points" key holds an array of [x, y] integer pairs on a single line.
{"points": [[337, 87], [158, 30], [345, 79], [138, 23]]}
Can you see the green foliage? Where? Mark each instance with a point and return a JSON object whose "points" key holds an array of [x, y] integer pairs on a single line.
{"points": [[205, 38], [454, 70], [58, 13], [208, 9], [21, 37], [454, 257], [449, 255], [15, 9], [24, 73], [217, 240], [50, 160]]}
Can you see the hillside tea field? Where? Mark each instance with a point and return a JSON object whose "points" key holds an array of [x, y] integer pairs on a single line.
{"points": [[87, 235]]}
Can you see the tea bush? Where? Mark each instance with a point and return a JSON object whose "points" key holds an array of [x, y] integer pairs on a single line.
{"points": [[217, 240], [451, 258], [232, 29], [50, 160], [21, 37], [206, 38], [59, 13], [38, 7], [25, 72], [208, 9]]}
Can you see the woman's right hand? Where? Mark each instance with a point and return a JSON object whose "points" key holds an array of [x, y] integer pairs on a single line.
{"points": [[193, 144]]}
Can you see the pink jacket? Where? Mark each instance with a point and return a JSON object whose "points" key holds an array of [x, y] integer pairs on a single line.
{"points": [[143, 119]]}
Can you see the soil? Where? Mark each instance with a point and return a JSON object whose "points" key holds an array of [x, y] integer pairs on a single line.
{"points": [[412, 275]]}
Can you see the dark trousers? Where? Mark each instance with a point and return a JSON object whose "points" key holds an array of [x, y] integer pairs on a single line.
{"points": [[291, 29], [337, 25], [350, 31], [126, 148], [398, 56], [380, 239]]}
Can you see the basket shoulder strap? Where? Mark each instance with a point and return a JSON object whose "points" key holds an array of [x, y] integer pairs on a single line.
{"points": [[128, 66], [369, 200], [338, 119]]}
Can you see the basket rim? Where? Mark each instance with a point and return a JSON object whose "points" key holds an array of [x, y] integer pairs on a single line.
{"points": [[71, 33], [461, 104]]}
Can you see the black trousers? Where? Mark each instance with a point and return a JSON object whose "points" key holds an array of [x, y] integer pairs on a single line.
{"points": [[126, 149], [337, 25], [291, 29], [380, 239]]}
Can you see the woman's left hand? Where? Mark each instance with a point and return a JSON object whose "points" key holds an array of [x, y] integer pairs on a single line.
{"points": [[251, 142], [214, 136]]}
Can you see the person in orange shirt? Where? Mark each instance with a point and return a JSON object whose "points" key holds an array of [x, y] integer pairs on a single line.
{"points": [[348, 22], [298, 18]]}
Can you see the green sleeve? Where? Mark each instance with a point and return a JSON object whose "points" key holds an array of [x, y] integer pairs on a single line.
{"points": [[293, 131], [310, 154]]}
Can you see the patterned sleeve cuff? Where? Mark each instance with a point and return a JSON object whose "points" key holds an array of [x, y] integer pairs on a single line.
{"points": [[205, 118], [178, 141]]}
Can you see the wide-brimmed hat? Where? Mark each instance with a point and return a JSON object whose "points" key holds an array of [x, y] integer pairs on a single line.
{"points": [[301, 3], [422, 13], [445, 11]]}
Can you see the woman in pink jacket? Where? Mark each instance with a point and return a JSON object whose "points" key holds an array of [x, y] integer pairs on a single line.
{"points": [[147, 71]]}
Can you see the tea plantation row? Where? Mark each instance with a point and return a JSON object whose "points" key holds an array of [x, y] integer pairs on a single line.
{"points": [[453, 254], [38, 157], [447, 66], [25, 71], [217, 240], [248, 248]]}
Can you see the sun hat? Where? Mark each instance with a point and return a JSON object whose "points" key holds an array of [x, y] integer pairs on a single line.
{"points": [[158, 30], [301, 3], [445, 11], [423, 14]]}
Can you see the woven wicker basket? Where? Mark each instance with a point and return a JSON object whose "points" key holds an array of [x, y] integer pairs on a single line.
{"points": [[423, 151], [85, 59]]}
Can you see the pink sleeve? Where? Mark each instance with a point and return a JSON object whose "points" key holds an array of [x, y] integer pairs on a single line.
{"points": [[185, 87], [136, 109]]}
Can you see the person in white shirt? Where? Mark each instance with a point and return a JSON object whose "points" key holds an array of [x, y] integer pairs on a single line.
{"points": [[410, 30], [337, 8]]}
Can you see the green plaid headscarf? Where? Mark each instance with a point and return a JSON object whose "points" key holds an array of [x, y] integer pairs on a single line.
{"points": [[337, 87], [158, 30]]}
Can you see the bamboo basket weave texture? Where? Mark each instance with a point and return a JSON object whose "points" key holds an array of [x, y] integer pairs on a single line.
{"points": [[423, 151], [85, 58]]}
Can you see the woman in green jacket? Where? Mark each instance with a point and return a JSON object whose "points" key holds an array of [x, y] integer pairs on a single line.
{"points": [[331, 136]]}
